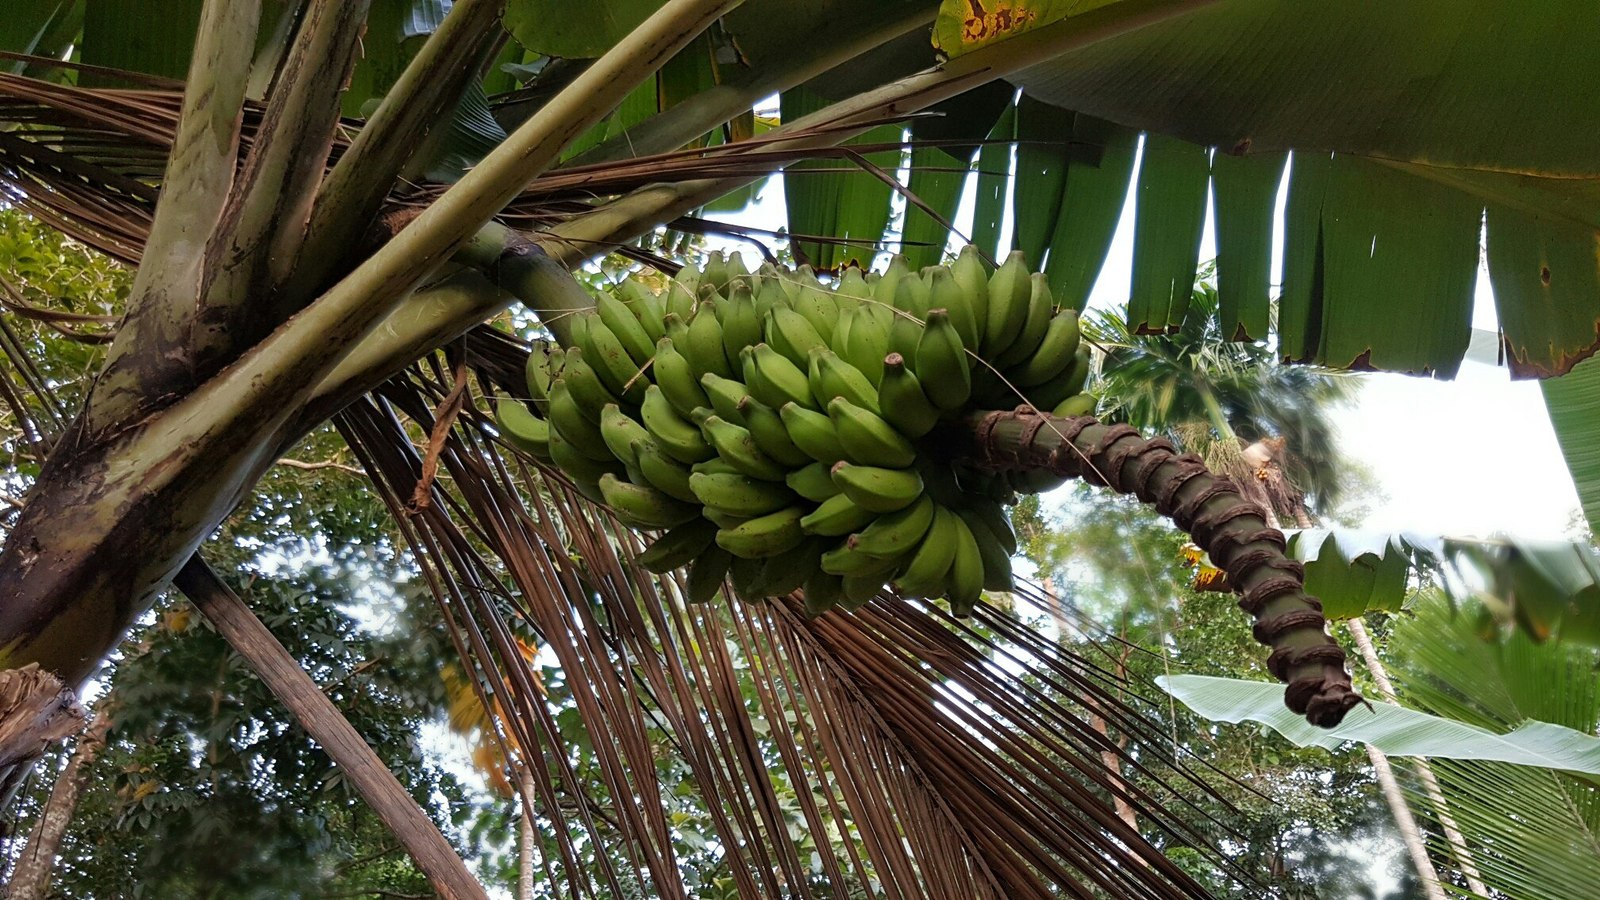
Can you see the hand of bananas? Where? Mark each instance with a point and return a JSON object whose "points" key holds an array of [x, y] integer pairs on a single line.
{"points": [[785, 434]]}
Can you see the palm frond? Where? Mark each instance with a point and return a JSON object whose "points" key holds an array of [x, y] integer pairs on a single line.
{"points": [[946, 759], [1532, 832]]}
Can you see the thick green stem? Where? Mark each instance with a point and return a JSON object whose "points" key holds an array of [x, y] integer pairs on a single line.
{"points": [[833, 47], [420, 101], [1231, 529], [578, 238], [151, 348], [261, 239]]}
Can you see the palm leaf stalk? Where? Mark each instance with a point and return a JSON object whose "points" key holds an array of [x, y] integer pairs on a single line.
{"points": [[865, 725]]}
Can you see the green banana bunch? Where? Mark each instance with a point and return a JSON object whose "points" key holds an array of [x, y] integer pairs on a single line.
{"points": [[783, 432]]}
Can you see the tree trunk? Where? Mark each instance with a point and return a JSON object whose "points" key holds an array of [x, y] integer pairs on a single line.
{"points": [[1231, 529], [31, 879], [1108, 757], [1430, 784], [329, 728], [36, 710], [525, 848]]}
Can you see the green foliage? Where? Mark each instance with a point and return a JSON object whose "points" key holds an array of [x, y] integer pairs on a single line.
{"points": [[207, 786], [1117, 570], [1199, 386]]}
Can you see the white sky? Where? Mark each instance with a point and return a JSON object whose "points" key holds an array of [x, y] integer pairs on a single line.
{"points": [[1471, 457]]}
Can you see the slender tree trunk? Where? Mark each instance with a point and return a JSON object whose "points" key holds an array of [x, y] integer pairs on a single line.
{"points": [[329, 728], [525, 850], [1430, 784], [1108, 757], [31, 879]]}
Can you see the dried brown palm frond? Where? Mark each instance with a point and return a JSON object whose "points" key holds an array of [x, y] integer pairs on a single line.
{"points": [[956, 761]]}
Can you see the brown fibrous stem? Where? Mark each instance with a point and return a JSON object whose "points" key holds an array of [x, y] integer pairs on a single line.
{"points": [[1233, 530]]}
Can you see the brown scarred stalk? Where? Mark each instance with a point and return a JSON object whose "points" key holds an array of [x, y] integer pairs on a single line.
{"points": [[1230, 528]]}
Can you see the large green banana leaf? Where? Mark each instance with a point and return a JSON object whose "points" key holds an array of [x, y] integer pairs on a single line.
{"points": [[1395, 730], [1544, 589], [1412, 123]]}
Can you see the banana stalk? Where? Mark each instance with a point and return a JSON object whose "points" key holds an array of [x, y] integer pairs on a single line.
{"points": [[1231, 529]]}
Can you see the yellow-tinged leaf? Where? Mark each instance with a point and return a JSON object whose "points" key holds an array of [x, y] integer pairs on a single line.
{"points": [[966, 25]]}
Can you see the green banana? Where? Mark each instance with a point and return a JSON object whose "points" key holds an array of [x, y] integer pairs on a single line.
{"points": [[644, 507], [876, 488], [706, 574], [662, 472], [1050, 394], [837, 516], [714, 274], [775, 380], [583, 472], [680, 300], [740, 495], [816, 306], [993, 516], [676, 436], [852, 287], [1057, 351], [867, 438], [895, 534], [734, 444], [716, 465], [675, 374], [791, 334], [678, 547], [617, 370], [925, 573], [1076, 405], [1010, 288], [887, 286], [784, 573], [764, 536], [966, 572], [996, 561], [545, 362], [676, 328], [823, 591], [944, 293], [574, 427], [812, 482], [844, 559], [704, 350], [587, 391], [523, 429], [913, 294], [830, 376], [770, 434], [620, 432], [722, 518], [942, 367], [625, 325], [905, 331], [1041, 310], [812, 432], [972, 277], [902, 400], [745, 576], [741, 326], [860, 589], [865, 344], [725, 394], [688, 278]]}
